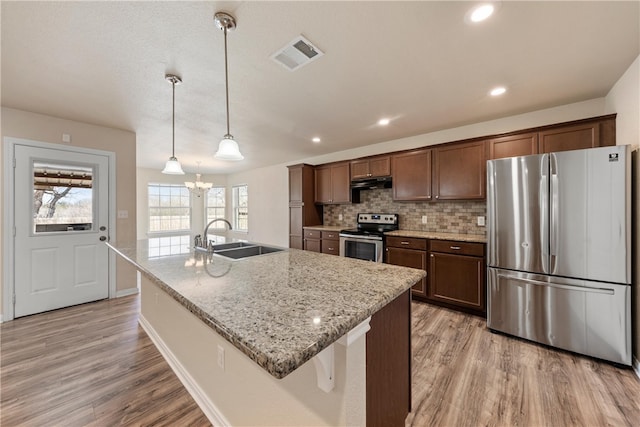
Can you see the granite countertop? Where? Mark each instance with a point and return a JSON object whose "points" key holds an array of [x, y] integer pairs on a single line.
{"points": [[439, 236], [280, 309], [325, 227]]}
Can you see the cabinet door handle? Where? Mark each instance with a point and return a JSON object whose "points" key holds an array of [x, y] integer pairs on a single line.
{"points": [[404, 243], [455, 248], [437, 197], [428, 197], [433, 256]]}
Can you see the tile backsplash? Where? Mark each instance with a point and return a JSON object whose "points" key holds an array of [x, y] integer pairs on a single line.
{"points": [[447, 217]]}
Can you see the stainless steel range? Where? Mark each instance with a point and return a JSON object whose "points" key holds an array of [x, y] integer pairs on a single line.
{"points": [[367, 240]]}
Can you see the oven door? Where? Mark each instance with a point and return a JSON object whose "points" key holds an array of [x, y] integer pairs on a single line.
{"points": [[361, 247]]}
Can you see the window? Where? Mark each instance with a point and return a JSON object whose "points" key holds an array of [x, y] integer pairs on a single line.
{"points": [[215, 206], [241, 207], [169, 208], [62, 197]]}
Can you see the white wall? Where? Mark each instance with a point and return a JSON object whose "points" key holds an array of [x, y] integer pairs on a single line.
{"points": [[145, 176], [624, 99]]}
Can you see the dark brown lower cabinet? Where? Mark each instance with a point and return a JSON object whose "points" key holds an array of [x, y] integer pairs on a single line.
{"points": [[457, 275], [410, 258], [389, 364]]}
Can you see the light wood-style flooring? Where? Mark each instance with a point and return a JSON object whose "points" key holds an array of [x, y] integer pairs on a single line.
{"points": [[464, 375], [88, 365], [93, 365]]}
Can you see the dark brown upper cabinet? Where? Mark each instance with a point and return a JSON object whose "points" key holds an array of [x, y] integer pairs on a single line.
{"points": [[459, 171], [513, 146], [371, 167], [412, 175], [570, 138], [333, 184]]}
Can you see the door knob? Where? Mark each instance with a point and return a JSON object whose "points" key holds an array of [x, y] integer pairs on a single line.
{"points": [[103, 238]]}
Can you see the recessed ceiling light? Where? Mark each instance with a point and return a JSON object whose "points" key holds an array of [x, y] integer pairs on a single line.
{"points": [[383, 122], [497, 91], [315, 139], [481, 11]]}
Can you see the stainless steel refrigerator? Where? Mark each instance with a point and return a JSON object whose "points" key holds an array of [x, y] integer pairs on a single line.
{"points": [[559, 250]]}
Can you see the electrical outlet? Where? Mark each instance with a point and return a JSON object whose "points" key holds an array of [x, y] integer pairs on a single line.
{"points": [[481, 221], [424, 219], [221, 357], [340, 217]]}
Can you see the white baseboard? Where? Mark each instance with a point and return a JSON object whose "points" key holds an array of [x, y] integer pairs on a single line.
{"points": [[636, 366], [208, 407], [126, 292]]}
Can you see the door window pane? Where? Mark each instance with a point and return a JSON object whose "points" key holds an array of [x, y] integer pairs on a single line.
{"points": [[62, 197]]}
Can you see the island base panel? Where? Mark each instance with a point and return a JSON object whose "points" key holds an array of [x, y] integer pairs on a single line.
{"points": [[389, 364], [243, 393]]}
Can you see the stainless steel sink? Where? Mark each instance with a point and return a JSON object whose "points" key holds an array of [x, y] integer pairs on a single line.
{"points": [[247, 251], [232, 245]]}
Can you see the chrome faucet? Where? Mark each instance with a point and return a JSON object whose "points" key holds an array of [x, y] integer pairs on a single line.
{"points": [[204, 242]]}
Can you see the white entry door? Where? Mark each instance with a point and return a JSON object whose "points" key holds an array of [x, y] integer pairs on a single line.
{"points": [[61, 215]]}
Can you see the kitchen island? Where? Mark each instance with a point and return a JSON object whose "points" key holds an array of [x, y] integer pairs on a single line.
{"points": [[279, 339]]}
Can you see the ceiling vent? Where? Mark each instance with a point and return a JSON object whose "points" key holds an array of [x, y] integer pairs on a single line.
{"points": [[297, 53]]}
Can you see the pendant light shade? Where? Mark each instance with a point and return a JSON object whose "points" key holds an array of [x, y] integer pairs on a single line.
{"points": [[228, 148], [172, 167]]}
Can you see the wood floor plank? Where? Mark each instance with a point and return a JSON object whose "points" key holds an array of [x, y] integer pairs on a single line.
{"points": [[93, 365]]}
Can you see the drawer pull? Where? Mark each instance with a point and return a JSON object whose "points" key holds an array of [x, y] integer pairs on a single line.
{"points": [[455, 248], [330, 249], [404, 243]]}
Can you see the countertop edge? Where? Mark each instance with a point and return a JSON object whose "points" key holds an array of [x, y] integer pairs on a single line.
{"points": [[435, 235]]}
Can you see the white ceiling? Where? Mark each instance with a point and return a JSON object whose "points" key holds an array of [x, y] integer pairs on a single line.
{"points": [[418, 63]]}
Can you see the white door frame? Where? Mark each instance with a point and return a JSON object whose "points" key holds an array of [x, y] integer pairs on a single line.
{"points": [[8, 225]]}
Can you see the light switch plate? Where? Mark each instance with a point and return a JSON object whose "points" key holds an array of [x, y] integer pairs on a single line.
{"points": [[424, 219], [340, 217], [481, 221]]}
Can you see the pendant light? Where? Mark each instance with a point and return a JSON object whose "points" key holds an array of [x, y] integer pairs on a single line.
{"points": [[173, 165], [228, 148]]}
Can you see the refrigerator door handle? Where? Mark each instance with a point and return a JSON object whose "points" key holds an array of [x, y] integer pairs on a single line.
{"points": [[555, 219], [544, 212], [559, 286]]}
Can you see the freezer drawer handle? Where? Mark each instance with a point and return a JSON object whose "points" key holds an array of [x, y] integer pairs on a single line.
{"points": [[556, 285], [455, 248]]}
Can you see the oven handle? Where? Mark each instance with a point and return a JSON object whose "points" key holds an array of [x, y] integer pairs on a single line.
{"points": [[352, 237]]}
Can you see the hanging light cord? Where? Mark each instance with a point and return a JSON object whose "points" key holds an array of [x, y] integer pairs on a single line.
{"points": [[226, 77], [173, 120]]}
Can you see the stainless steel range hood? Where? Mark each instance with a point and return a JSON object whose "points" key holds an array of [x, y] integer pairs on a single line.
{"points": [[371, 183]]}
